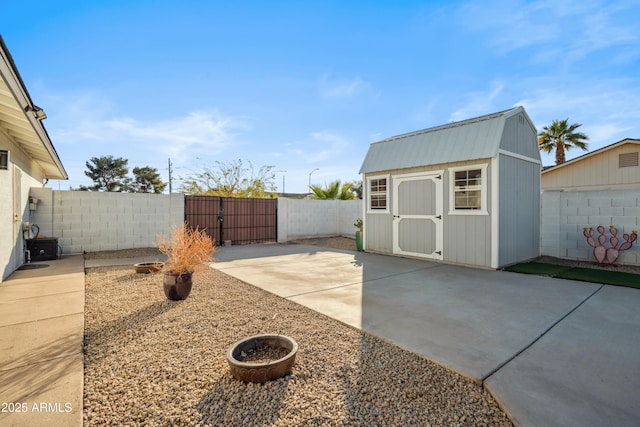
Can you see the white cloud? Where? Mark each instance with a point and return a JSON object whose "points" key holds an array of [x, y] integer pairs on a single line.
{"points": [[607, 109], [557, 31], [342, 88], [329, 144], [478, 103], [195, 132], [88, 120]]}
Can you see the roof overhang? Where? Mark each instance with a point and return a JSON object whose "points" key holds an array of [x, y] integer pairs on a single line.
{"points": [[21, 120], [591, 154]]}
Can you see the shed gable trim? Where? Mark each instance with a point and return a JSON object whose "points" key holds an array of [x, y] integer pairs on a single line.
{"points": [[519, 156]]}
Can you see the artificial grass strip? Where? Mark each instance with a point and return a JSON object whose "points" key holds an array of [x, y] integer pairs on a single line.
{"points": [[607, 277], [539, 268]]}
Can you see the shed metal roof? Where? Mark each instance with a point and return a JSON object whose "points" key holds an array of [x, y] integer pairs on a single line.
{"points": [[476, 138]]}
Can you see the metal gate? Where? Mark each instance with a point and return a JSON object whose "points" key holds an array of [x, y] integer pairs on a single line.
{"points": [[239, 220]]}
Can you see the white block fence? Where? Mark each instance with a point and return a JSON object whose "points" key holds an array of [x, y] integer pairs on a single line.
{"points": [[298, 219], [566, 213], [92, 221], [96, 221]]}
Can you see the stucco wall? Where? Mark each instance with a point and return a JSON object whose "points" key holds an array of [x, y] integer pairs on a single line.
{"points": [[15, 183], [92, 221], [566, 213], [314, 218]]}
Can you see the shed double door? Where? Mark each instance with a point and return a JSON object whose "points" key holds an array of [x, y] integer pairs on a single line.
{"points": [[417, 215]]}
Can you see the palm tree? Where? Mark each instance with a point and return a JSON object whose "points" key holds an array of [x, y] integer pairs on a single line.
{"points": [[333, 191], [561, 136]]}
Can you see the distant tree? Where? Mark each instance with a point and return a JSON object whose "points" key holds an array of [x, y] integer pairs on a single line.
{"points": [[333, 191], [109, 174], [146, 180], [232, 179], [356, 187], [561, 136]]}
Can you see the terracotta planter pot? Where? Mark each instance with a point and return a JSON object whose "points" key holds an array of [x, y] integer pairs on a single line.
{"points": [[177, 286], [266, 370]]}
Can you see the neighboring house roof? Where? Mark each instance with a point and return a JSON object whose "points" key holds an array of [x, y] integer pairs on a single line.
{"points": [[590, 154], [20, 119], [476, 138]]}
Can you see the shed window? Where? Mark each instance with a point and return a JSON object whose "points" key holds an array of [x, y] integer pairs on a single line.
{"points": [[468, 190], [378, 194], [4, 160]]}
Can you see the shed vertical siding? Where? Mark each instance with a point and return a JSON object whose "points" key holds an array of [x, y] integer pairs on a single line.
{"points": [[379, 229], [519, 210], [467, 238], [518, 137]]}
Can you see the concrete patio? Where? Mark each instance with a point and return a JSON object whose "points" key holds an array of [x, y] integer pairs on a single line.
{"points": [[553, 352]]}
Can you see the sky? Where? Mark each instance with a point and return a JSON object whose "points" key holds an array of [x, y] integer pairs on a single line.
{"points": [[307, 86]]}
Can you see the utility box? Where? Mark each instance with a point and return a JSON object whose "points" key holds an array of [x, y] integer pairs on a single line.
{"points": [[43, 249]]}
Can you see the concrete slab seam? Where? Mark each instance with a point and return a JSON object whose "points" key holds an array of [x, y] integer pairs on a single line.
{"points": [[356, 283], [256, 264], [55, 294], [540, 336], [40, 362]]}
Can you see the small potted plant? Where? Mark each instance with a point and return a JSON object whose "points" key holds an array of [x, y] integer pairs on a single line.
{"points": [[188, 250], [358, 225]]}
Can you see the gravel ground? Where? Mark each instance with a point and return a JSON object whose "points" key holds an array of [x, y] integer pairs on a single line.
{"points": [[150, 361]]}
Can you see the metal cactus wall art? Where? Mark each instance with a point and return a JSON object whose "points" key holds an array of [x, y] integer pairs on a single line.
{"points": [[610, 254]]}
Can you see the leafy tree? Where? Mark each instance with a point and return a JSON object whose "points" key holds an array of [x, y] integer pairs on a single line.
{"points": [[561, 136], [146, 180], [109, 174], [232, 179], [333, 191]]}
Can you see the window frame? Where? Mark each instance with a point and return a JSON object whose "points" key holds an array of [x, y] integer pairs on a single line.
{"points": [[386, 209], [483, 190]]}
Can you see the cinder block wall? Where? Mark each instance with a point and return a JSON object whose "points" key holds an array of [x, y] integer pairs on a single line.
{"points": [[93, 221], [298, 219], [566, 213]]}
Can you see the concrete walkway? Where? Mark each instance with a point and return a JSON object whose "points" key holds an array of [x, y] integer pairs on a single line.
{"points": [[41, 334], [553, 352]]}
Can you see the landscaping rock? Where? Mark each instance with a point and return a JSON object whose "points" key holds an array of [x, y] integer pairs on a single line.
{"points": [[150, 361]]}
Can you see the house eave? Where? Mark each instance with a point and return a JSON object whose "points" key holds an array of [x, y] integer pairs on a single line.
{"points": [[591, 154], [21, 120]]}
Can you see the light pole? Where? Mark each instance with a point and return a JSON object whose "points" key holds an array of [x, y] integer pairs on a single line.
{"points": [[316, 169], [283, 172]]}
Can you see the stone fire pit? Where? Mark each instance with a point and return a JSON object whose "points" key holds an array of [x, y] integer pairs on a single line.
{"points": [[262, 358]]}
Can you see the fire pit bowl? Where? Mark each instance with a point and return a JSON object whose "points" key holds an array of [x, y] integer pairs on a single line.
{"points": [[262, 358], [148, 267]]}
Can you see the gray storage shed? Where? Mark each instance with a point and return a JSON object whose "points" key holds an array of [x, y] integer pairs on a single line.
{"points": [[466, 192]]}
